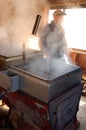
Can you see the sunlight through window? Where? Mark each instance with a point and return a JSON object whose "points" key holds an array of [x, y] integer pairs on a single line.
{"points": [[75, 27]]}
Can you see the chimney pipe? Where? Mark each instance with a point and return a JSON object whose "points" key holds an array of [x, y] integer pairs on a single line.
{"points": [[37, 21]]}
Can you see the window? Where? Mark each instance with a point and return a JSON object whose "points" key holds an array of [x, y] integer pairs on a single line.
{"points": [[75, 27]]}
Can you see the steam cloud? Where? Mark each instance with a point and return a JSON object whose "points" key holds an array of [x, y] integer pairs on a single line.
{"points": [[17, 18], [53, 43]]}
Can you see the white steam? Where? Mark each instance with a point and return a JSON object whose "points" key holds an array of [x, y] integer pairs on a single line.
{"points": [[17, 18]]}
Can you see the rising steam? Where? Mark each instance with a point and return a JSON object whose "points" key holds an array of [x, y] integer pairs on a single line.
{"points": [[17, 18]]}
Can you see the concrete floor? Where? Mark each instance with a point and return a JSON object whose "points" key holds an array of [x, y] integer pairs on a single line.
{"points": [[81, 115]]}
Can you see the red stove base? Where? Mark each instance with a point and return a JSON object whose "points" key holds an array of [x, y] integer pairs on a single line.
{"points": [[28, 113], [19, 123]]}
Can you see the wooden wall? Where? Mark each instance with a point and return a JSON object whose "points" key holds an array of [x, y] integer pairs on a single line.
{"points": [[78, 57], [67, 3]]}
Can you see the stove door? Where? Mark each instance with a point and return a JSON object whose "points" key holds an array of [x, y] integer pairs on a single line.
{"points": [[63, 109]]}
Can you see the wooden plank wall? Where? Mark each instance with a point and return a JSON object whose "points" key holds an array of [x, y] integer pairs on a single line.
{"points": [[67, 3], [79, 58]]}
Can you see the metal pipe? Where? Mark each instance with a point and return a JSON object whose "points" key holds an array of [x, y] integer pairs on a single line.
{"points": [[23, 54], [35, 28]]}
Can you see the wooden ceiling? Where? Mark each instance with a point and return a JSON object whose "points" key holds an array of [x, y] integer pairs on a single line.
{"points": [[67, 3]]}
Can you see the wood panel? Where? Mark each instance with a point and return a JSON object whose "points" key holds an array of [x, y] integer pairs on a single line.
{"points": [[67, 3], [81, 60], [78, 57]]}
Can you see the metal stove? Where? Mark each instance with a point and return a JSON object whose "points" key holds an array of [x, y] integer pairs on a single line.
{"points": [[48, 90], [51, 79]]}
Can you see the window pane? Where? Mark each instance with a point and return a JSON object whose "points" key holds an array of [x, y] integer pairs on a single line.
{"points": [[75, 27]]}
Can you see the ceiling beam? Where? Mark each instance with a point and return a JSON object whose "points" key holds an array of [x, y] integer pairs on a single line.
{"points": [[67, 3]]}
